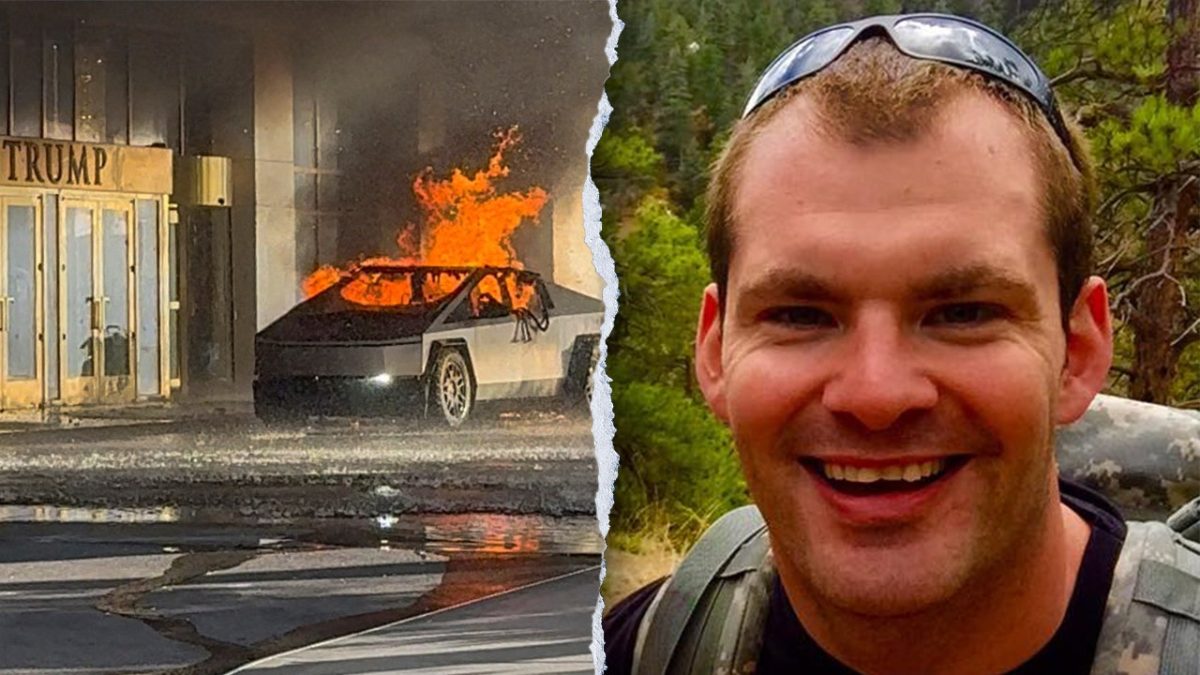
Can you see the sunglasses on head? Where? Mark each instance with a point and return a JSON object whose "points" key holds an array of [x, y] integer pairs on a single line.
{"points": [[933, 37]]}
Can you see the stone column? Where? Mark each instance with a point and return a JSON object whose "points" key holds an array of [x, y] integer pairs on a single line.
{"points": [[573, 266], [278, 283]]}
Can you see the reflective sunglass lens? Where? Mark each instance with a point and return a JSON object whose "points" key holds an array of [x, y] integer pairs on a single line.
{"points": [[800, 60], [956, 41]]}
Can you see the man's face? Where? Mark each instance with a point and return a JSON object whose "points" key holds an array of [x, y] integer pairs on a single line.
{"points": [[891, 355]]}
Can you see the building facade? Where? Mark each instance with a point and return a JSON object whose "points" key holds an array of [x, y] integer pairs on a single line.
{"points": [[170, 172]]}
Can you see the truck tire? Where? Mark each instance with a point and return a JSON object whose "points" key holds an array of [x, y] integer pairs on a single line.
{"points": [[453, 386]]}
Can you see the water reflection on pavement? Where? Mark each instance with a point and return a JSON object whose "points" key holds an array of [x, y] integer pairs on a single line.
{"points": [[203, 591], [541, 628]]}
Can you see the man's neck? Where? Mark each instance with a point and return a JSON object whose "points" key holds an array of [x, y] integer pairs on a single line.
{"points": [[983, 630]]}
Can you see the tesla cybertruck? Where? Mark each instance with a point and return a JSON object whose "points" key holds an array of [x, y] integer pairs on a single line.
{"points": [[389, 340]]}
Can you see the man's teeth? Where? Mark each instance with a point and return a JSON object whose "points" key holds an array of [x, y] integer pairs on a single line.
{"points": [[910, 473]]}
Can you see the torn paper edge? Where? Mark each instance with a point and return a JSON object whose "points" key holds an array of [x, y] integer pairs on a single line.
{"points": [[602, 416]]}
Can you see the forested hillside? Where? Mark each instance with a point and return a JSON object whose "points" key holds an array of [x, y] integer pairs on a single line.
{"points": [[1126, 70]]}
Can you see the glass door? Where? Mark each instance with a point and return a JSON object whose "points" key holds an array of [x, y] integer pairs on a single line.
{"points": [[98, 345], [20, 384], [80, 305], [115, 275]]}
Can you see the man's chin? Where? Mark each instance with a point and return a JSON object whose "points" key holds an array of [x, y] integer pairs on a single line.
{"points": [[898, 583], [893, 599]]}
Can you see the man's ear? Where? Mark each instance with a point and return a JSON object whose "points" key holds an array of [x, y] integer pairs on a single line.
{"points": [[1089, 351], [709, 369]]}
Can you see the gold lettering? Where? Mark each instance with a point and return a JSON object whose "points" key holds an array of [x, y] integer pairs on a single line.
{"points": [[12, 146], [99, 160], [31, 163], [54, 171], [53, 163], [77, 172]]}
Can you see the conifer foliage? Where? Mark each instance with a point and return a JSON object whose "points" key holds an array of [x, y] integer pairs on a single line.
{"points": [[1128, 70]]}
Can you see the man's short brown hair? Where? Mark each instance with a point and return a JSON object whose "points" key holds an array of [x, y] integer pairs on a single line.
{"points": [[875, 94]]}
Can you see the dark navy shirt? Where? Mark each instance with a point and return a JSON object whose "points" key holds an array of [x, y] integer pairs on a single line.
{"points": [[787, 648]]}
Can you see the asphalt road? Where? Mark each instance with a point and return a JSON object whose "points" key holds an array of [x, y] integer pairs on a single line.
{"points": [[193, 599], [510, 461], [137, 542], [545, 627]]}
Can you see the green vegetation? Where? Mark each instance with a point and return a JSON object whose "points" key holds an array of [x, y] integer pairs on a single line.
{"points": [[683, 70]]}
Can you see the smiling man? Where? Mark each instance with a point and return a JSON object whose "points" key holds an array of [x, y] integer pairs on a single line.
{"points": [[902, 313]]}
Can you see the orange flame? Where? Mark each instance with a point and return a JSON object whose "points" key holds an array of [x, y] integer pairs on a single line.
{"points": [[317, 282], [375, 289], [467, 222], [373, 285]]}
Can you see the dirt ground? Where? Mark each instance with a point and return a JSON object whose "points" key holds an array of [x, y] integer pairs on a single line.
{"points": [[625, 572]]}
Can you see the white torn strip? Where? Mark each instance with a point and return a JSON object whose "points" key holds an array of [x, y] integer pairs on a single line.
{"points": [[602, 416]]}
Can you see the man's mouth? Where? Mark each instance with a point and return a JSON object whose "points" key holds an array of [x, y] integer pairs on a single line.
{"points": [[884, 478]]}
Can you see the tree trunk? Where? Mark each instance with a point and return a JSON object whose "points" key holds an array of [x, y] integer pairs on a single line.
{"points": [[1159, 313]]}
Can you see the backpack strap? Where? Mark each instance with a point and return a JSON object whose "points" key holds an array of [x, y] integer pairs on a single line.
{"points": [[1152, 620], [710, 616], [711, 613]]}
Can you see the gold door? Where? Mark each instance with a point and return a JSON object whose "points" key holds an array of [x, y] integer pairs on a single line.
{"points": [[20, 353], [97, 348]]}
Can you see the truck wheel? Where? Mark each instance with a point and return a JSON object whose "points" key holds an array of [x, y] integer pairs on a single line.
{"points": [[453, 387]]}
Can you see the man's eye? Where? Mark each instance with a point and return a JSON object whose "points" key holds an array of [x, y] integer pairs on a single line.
{"points": [[964, 314], [801, 317]]}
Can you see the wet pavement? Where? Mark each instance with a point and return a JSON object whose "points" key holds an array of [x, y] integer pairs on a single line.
{"points": [[510, 461], [193, 541], [50, 620], [132, 595], [542, 628]]}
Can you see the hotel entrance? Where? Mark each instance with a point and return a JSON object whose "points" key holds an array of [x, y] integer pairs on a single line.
{"points": [[111, 346], [84, 297], [96, 344]]}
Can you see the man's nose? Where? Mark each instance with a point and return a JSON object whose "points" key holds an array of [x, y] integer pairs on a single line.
{"points": [[877, 377]]}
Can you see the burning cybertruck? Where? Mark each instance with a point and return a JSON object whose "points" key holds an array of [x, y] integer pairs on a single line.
{"points": [[388, 340]]}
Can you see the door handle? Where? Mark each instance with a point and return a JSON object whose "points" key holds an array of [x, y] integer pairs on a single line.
{"points": [[94, 304], [4, 313]]}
